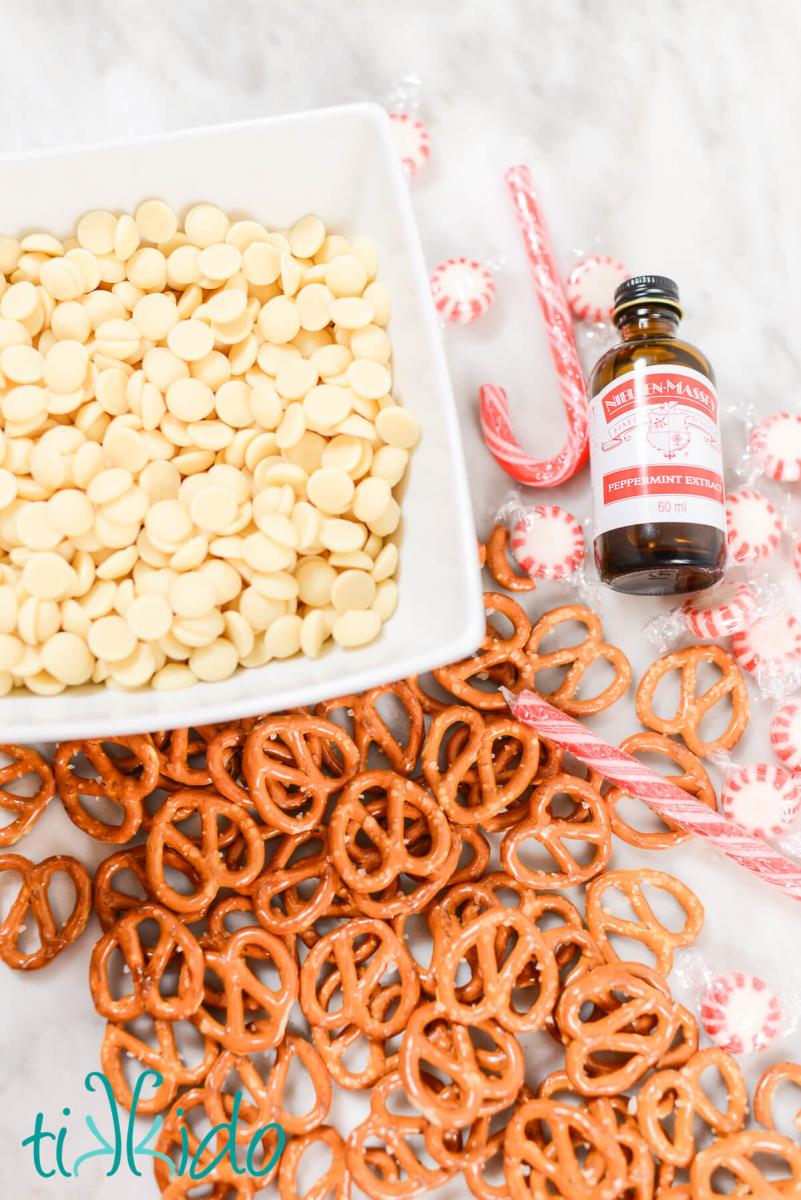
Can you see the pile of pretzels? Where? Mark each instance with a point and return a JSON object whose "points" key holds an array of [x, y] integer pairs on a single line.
{"points": [[280, 867]]}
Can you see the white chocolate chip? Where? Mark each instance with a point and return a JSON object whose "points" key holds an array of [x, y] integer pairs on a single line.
{"points": [[306, 237], [356, 628], [397, 427], [111, 639]]}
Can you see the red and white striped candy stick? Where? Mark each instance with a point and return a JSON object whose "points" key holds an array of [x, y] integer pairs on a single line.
{"points": [[494, 409], [669, 801]]}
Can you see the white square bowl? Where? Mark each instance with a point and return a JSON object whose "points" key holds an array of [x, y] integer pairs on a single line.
{"points": [[342, 164]]}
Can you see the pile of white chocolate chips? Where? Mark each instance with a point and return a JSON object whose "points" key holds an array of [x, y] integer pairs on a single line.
{"points": [[198, 452]]}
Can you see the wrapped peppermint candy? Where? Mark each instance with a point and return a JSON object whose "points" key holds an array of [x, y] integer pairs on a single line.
{"points": [[546, 540], [463, 289], [590, 287], [740, 1013], [715, 613]]}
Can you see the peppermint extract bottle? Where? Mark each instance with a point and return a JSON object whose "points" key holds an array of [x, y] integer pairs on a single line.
{"points": [[655, 454]]}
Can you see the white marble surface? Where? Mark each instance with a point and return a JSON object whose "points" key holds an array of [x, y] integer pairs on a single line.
{"points": [[663, 133]]}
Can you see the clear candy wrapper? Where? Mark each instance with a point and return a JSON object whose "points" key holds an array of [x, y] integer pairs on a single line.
{"points": [[408, 129], [742, 1013]]}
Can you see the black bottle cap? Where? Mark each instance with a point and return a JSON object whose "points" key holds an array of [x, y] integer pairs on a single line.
{"points": [[646, 289]]}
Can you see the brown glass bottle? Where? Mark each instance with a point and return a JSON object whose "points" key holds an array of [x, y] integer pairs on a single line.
{"points": [[655, 451]]}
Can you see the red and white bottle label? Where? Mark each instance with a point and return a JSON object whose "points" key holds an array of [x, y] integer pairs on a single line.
{"points": [[655, 450]]}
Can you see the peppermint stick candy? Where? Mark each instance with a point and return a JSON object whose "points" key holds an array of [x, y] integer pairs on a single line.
{"points": [[494, 410], [670, 802]]}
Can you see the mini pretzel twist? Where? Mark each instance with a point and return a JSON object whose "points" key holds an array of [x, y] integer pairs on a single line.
{"points": [[146, 967], [647, 928], [176, 749], [680, 1096], [692, 706], [385, 822], [481, 1148], [460, 904], [640, 1168], [179, 1139], [774, 1077], [224, 761], [621, 1031], [279, 787], [469, 1151], [361, 953], [110, 902], [334, 1045], [26, 809], [498, 981], [496, 650], [497, 563], [218, 930], [430, 705], [484, 1080], [203, 860], [735, 1155], [536, 1168], [236, 1029], [284, 877], [370, 728], [127, 791], [264, 1093], [239, 909], [398, 1172], [693, 779], [578, 659], [589, 824], [165, 1057], [476, 757], [333, 1184], [33, 900], [540, 907], [505, 756]]}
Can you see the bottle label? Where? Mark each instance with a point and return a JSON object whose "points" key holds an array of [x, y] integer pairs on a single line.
{"points": [[655, 450]]}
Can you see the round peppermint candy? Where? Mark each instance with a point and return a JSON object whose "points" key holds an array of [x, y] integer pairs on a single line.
{"points": [[741, 1013], [771, 643], [590, 288], [413, 141], [785, 734], [762, 797], [463, 289], [548, 542], [776, 444], [725, 610], [753, 525]]}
